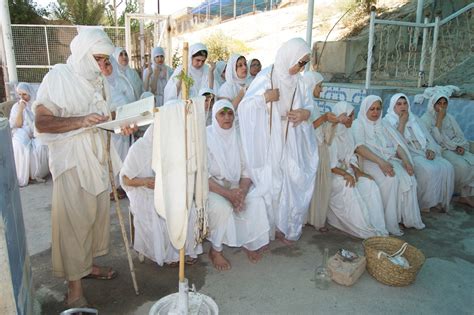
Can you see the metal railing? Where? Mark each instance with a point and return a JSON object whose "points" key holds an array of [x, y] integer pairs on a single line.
{"points": [[396, 53]]}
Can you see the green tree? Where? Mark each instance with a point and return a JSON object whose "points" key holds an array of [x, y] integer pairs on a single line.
{"points": [[80, 12], [26, 12], [220, 47]]}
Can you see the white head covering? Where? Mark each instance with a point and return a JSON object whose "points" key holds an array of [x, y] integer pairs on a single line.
{"points": [[88, 42], [287, 56], [121, 90], [24, 87], [205, 91], [220, 66], [224, 145], [311, 79], [231, 71], [194, 49], [116, 55], [157, 51], [412, 123]]}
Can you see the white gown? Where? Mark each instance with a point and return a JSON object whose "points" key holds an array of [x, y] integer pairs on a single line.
{"points": [[356, 210], [449, 137], [435, 177], [31, 156], [151, 234], [399, 194]]}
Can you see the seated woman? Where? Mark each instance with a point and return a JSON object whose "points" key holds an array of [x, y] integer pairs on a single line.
{"points": [[455, 148], [237, 214], [235, 83], [31, 156], [355, 205], [435, 175], [386, 158], [151, 234]]}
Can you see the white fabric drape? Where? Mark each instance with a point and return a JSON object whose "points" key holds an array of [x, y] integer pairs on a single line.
{"points": [[151, 233], [435, 177], [356, 210], [282, 162], [77, 89], [180, 179], [200, 76], [399, 192], [449, 138]]}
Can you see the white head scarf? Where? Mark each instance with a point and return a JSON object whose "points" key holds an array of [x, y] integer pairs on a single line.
{"points": [[311, 79], [24, 87], [205, 91], [195, 73], [287, 56], [157, 51], [343, 138], [121, 90], [116, 55], [220, 66], [224, 145], [412, 123], [231, 72], [88, 42]]}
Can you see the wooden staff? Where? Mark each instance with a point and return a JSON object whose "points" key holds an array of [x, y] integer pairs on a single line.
{"points": [[184, 96], [119, 214]]}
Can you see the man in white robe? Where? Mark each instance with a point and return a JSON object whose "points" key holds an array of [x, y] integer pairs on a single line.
{"points": [[279, 145], [71, 99], [434, 174], [237, 214], [31, 155]]}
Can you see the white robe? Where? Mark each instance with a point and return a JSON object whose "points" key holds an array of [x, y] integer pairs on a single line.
{"points": [[356, 210], [151, 233], [162, 80], [399, 194], [31, 155], [449, 137], [282, 171]]}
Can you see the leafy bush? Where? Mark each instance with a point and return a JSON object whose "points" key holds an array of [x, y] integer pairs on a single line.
{"points": [[220, 47]]}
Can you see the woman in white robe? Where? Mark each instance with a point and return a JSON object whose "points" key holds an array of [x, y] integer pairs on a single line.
{"points": [[157, 75], [279, 145], [197, 70], [434, 174], [319, 205], [31, 156], [455, 148], [254, 67], [237, 214], [355, 204], [387, 159], [121, 56], [218, 77], [151, 237], [235, 83], [208, 103]]}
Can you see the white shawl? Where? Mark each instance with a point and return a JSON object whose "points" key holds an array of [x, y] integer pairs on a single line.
{"points": [[233, 84]]}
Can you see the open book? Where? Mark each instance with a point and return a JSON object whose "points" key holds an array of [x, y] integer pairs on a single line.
{"points": [[138, 113]]}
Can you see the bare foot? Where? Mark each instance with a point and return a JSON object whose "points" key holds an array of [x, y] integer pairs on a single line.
{"points": [[254, 256], [264, 248], [466, 201], [281, 237], [218, 260], [323, 229]]}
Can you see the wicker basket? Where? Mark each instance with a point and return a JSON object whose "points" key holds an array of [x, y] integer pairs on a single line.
{"points": [[383, 269]]}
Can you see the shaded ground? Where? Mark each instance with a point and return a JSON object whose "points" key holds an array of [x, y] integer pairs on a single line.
{"points": [[280, 283]]}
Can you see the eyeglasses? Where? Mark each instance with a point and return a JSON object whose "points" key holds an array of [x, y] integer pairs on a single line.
{"points": [[102, 59], [302, 63]]}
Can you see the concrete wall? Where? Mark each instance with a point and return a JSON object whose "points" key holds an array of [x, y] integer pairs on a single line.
{"points": [[15, 270]]}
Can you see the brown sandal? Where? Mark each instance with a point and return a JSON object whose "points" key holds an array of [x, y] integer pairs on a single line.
{"points": [[105, 273]]}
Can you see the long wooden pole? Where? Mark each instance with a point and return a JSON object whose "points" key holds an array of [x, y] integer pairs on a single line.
{"points": [[120, 217], [185, 96]]}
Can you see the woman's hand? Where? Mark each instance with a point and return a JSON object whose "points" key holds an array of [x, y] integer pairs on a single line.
{"points": [[430, 155], [403, 118], [408, 168], [129, 130], [297, 116], [359, 174], [212, 65], [350, 180], [342, 118], [386, 168], [272, 95], [235, 196], [150, 70], [460, 150], [149, 182], [331, 117]]}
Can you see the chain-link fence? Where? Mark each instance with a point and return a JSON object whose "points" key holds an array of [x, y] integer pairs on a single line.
{"points": [[39, 47]]}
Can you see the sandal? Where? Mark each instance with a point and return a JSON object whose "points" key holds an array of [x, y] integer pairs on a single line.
{"points": [[105, 273], [190, 261], [172, 264]]}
